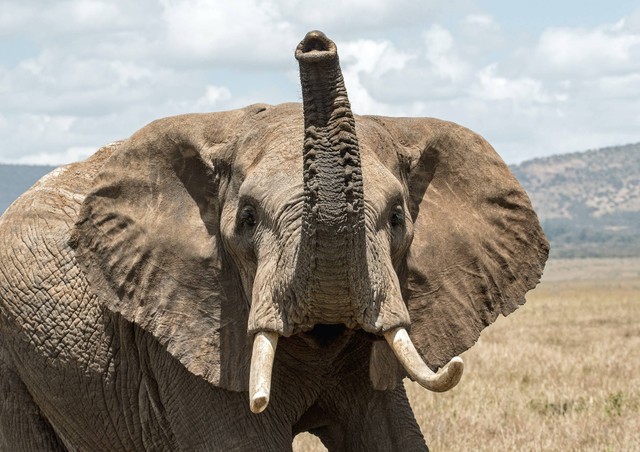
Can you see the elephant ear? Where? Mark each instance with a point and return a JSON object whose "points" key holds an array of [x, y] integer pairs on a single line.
{"points": [[148, 238], [478, 246]]}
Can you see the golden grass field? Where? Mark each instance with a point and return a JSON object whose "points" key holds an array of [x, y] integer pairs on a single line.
{"points": [[562, 373]]}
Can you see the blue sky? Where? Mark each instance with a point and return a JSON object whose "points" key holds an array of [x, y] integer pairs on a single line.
{"points": [[536, 16], [534, 78]]}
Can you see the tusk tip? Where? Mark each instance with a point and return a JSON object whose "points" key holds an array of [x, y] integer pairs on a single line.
{"points": [[259, 402], [456, 364], [453, 371]]}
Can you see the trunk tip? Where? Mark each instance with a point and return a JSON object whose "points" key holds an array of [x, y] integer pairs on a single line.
{"points": [[315, 47], [315, 40]]}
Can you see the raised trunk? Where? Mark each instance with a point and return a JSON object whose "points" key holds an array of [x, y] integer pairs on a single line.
{"points": [[332, 254], [332, 283]]}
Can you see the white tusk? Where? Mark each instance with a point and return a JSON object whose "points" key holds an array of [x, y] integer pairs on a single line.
{"points": [[408, 356], [264, 351]]}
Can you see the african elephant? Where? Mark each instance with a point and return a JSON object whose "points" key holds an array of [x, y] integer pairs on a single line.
{"points": [[269, 259]]}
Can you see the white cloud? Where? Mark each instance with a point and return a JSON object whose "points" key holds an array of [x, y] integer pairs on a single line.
{"points": [[431, 70], [93, 71], [72, 154], [94, 12], [47, 19], [631, 23], [350, 18], [482, 21], [587, 53], [29, 138], [482, 36], [365, 55], [359, 59], [242, 32], [441, 54], [572, 89], [212, 98], [494, 87]]}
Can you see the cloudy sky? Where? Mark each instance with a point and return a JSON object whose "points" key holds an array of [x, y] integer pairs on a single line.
{"points": [[534, 78]]}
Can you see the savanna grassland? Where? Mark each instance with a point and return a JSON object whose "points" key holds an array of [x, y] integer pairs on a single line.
{"points": [[562, 373]]}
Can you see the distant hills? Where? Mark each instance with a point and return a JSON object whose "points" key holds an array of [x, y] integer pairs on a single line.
{"points": [[588, 202], [16, 179]]}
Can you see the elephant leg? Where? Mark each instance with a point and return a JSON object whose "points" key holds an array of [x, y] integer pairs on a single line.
{"points": [[22, 425], [390, 416], [374, 421]]}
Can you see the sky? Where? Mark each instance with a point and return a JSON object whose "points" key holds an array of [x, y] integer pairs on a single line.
{"points": [[534, 78]]}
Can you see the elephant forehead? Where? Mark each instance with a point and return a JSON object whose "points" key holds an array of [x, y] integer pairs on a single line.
{"points": [[380, 185], [271, 145], [266, 185], [274, 163], [269, 156]]}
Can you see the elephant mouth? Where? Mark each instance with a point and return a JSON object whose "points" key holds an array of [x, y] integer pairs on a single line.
{"points": [[264, 350], [326, 335]]}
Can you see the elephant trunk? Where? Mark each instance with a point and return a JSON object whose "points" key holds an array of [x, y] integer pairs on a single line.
{"points": [[332, 282], [333, 231]]}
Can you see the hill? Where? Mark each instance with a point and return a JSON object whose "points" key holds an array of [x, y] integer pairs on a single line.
{"points": [[588, 202], [16, 179]]}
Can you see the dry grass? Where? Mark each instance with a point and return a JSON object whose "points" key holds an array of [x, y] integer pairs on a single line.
{"points": [[560, 374]]}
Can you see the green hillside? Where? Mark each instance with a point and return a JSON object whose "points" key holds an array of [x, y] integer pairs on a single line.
{"points": [[588, 202]]}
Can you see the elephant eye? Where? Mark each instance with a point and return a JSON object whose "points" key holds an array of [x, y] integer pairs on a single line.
{"points": [[397, 217], [248, 216]]}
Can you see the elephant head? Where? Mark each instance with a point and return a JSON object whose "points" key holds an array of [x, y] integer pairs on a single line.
{"points": [[219, 233]]}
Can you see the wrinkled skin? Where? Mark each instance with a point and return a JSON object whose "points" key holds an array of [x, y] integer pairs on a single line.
{"points": [[131, 284]]}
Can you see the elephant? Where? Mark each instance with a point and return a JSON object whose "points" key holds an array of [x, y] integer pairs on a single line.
{"points": [[227, 280]]}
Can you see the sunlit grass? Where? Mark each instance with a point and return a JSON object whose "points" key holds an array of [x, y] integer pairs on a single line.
{"points": [[560, 374]]}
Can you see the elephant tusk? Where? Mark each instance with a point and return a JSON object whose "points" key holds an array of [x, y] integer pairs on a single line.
{"points": [[264, 351], [408, 356]]}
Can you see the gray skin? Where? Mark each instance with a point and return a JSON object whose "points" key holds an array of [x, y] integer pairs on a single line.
{"points": [[132, 283]]}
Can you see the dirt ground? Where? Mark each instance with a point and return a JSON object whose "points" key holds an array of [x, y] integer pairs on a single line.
{"points": [[562, 373]]}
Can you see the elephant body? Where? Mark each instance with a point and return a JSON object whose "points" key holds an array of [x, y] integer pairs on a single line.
{"points": [[143, 292], [86, 379], [77, 377]]}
